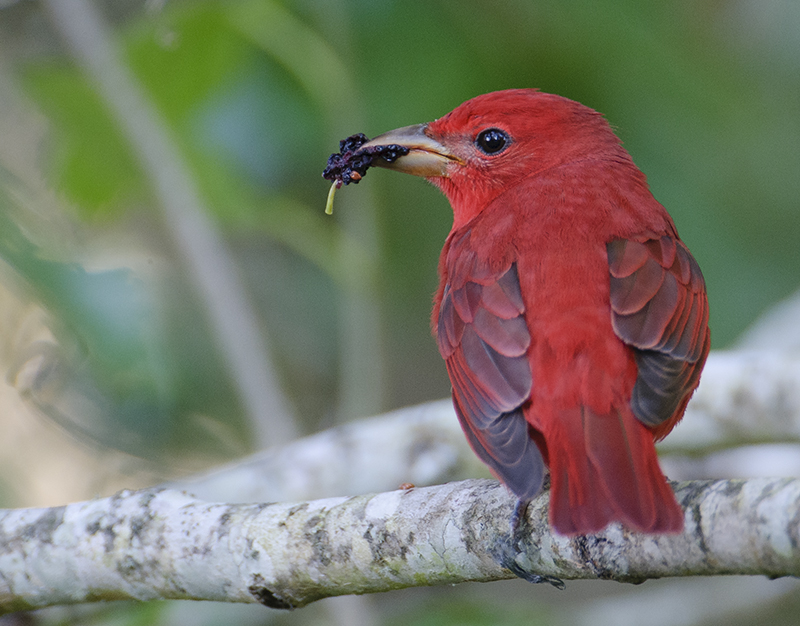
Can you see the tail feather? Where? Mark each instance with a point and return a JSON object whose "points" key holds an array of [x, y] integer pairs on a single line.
{"points": [[604, 469]]}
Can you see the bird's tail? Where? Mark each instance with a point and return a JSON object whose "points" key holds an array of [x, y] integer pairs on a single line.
{"points": [[604, 469]]}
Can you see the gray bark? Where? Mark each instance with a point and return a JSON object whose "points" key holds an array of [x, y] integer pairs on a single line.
{"points": [[167, 544]]}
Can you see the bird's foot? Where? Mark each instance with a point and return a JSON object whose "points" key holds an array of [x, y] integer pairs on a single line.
{"points": [[520, 531]]}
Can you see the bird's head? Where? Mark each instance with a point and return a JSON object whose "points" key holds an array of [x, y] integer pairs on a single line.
{"points": [[492, 142]]}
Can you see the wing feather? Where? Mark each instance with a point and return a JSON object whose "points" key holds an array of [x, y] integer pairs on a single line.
{"points": [[659, 306], [484, 339]]}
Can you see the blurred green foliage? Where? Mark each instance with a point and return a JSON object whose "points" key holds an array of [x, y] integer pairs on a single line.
{"points": [[256, 93], [109, 315], [93, 165]]}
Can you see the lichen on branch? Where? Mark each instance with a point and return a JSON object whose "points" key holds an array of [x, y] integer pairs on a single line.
{"points": [[167, 544]]}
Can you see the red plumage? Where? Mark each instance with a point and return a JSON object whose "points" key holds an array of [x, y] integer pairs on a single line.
{"points": [[572, 319]]}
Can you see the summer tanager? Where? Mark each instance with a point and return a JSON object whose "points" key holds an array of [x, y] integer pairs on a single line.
{"points": [[572, 318]]}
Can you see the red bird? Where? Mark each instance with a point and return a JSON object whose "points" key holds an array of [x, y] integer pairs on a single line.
{"points": [[572, 318]]}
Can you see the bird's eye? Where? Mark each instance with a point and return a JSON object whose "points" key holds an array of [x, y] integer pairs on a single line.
{"points": [[492, 140]]}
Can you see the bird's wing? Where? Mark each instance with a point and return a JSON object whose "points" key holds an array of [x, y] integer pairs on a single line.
{"points": [[483, 338], [659, 307]]}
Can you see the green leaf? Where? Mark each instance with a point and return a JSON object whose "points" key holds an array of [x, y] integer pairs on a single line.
{"points": [[92, 164]]}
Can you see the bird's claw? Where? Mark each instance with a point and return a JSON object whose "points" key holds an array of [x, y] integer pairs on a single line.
{"points": [[509, 551]]}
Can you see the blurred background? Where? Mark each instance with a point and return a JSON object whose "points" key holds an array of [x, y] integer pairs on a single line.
{"points": [[168, 277]]}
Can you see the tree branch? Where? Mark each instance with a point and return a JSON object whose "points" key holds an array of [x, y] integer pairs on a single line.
{"points": [[422, 445], [165, 544], [744, 397]]}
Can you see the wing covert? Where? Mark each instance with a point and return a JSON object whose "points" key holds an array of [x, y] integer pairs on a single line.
{"points": [[483, 337], [659, 306]]}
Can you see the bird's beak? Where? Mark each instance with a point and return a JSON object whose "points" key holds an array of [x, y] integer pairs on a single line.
{"points": [[426, 157]]}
